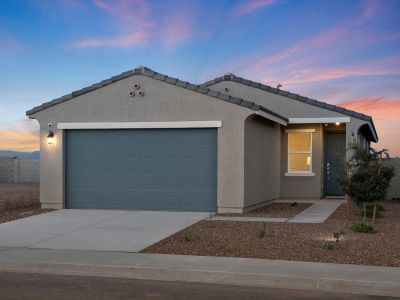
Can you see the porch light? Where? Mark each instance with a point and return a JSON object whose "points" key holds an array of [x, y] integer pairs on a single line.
{"points": [[337, 123], [50, 137]]}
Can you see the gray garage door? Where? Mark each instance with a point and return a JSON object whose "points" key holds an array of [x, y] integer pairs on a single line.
{"points": [[149, 169]]}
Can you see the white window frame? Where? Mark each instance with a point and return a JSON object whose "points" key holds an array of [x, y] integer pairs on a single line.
{"points": [[300, 173]]}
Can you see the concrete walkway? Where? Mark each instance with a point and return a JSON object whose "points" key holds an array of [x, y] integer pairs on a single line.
{"points": [[247, 219], [317, 213], [218, 270]]}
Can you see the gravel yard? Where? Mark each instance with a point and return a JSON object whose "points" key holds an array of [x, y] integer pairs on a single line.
{"points": [[19, 201], [274, 210], [289, 241]]}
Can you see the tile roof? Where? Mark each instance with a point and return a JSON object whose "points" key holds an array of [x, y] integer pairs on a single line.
{"points": [[267, 88], [170, 80], [317, 103]]}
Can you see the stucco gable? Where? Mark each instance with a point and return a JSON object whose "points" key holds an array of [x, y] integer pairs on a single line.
{"points": [[315, 107], [297, 97], [170, 80]]}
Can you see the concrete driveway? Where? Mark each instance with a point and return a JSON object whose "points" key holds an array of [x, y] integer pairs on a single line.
{"points": [[101, 230]]}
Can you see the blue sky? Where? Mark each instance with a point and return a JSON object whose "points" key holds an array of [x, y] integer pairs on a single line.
{"points": [[342, 52]]}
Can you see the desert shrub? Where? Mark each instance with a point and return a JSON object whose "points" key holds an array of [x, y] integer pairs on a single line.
{"points": [[330, 245], [188, 237], [368, 177], [261, 232], [362, 228]]}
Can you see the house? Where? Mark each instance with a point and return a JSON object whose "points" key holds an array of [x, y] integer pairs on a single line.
{"points": [[143, 140]]}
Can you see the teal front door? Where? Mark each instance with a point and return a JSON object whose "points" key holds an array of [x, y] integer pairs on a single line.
{"points": [[335, 150]]}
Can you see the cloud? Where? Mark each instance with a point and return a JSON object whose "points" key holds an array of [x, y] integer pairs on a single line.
{"points": [[326, 74], [135, 39], [22, 135], [379, 108], [137, 25], [371, 8], [247, 7], [177, 30]]}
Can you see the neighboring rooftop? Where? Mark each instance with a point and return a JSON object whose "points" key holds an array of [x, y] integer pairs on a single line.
{"points": [[161, 77]]}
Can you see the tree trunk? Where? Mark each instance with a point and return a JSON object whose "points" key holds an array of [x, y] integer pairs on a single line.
{"points": [[365, 212], [374, 214], [348, 207]]}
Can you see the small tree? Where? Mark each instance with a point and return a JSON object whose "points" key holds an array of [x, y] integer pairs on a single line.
{"points": [[368, 178]]}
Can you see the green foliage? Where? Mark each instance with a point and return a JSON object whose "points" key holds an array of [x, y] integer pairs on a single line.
{"points": [[188, 237], [331, 245], [368, 177], [336, 235], [379, 207], [261, 232], [362, 228]]}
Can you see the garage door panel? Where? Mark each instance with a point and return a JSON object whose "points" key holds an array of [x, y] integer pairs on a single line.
{"points": [[158, 166], [160, 169], [162, 199], [86, 166], [121, 152]]}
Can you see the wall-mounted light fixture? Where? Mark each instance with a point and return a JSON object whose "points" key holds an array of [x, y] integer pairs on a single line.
{"points": [[50, 137]]}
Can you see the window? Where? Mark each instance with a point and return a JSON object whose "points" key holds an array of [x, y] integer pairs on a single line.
{"points": [[300, 151]]}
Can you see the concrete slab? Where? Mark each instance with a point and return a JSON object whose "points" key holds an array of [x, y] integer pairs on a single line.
{"points": [[99, 230], [246, 219], [317, 213], [223, 270]]}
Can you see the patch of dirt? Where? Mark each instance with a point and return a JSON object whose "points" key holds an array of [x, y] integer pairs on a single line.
{"points": [[274, 210], [19, 201], [293, 241]]}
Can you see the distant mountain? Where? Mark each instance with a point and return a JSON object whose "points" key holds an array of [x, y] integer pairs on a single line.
{"points": [[23, 155]]}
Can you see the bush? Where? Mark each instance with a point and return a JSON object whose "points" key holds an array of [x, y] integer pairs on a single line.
{"points": [[367, 177], [362, 228], [188, 237], [331, 245], [261, 232]]}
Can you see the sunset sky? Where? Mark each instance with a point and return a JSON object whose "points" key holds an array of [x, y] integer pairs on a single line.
{"points": [[343, 52]]}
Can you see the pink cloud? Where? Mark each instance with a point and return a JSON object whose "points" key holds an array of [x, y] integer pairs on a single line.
{"points": [[371, 8], [386, 114], [177, 30], [314, 75], [138, 25], [136, 39], [247, 7], [380, 108]]}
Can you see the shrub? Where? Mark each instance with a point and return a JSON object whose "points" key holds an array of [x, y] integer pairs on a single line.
{"points": [[362, 228], [367, 177], [188, 237], [261, 232], [331, 245]]}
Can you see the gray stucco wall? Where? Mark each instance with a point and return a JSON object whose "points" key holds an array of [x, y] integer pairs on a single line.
{"points": [[303, 186], [161, 102], [261, 161], [292, 187], [16, 170]]}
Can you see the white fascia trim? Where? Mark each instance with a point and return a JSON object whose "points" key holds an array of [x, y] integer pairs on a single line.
{"points": [[299, 174], [299, 130], [319, 120], [133, 125], [271, 117]]}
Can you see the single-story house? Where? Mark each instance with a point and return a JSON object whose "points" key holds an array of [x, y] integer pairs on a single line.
{"points": [[143, 140]]}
